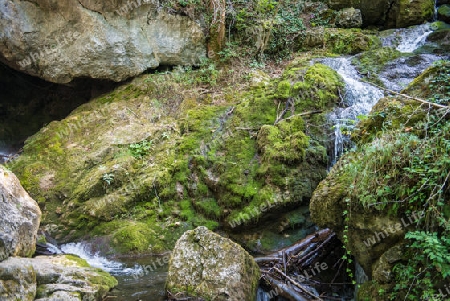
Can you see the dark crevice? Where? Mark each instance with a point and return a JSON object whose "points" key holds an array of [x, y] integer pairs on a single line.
{"points": [[28, 103]]}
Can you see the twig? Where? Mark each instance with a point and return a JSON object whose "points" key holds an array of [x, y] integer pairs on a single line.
{"points": [[407, 96], [304, 114]]}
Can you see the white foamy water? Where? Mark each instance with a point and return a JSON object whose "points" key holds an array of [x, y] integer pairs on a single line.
{"points": [[96, 260], [358, 99], [408, 39], [53, 249]]}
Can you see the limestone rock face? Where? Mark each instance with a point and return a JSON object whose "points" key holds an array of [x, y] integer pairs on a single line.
{"points": [[17, 280], [20, 217], [210, 266], [113, 40], [51, 278], [349, 17]]}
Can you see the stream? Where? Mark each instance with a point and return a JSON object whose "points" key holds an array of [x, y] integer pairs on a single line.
{"points": [[140, 278], [360, 96]]}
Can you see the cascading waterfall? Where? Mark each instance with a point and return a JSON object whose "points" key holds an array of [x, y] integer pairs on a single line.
{"points": [[360, 97], [82, 250], [408, 39]]}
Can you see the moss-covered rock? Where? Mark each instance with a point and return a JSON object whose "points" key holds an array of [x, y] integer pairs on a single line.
{"points": [[341, 41], [443, 13], [148, 161], [208, 266], [408, 13], [370, 63], [378, 194]]}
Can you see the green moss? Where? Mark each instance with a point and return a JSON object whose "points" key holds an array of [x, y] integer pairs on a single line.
{"points": [[209, 207], [103, 279], [206, 162], [319, 90], [371, 62], [349, 41], [79, 261], [439, 25], [284, 89], [444, 10], [284, 142], [135, 237]]}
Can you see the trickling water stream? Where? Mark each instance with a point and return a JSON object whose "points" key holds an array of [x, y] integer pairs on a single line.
{"points": [[360, 96], [358, 99], [140, 278]]}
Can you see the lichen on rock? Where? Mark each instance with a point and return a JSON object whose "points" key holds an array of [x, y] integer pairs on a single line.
{"points": [[20, 218], [204, 264]]}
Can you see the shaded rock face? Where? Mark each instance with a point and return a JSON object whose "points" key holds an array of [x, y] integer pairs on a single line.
{"points": [[389, 14], [114, 40], [27, 103], [443, 13], [349, 17], [45, 278], [207, 265], [20, 218]]}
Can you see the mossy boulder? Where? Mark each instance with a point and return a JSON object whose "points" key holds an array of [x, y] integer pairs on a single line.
{"points": [[375, 196], [349, 18], [148, 161], [210, 267], [381, 13], [407, 13], [371, 62], [341, 41], [443, 13]]}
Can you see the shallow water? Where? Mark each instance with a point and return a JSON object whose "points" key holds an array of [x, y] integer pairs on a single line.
{"points": [[140, 278]]}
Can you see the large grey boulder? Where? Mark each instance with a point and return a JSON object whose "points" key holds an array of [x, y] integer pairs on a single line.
{"points": [[52, 278], [349, 18], [207, 265], [17, 280], [19, 220], [62, 40]]}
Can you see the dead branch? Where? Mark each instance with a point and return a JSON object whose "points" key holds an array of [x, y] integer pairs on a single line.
{"points": [[407, 96], [284, 290], [318, 236], [296, 283]]}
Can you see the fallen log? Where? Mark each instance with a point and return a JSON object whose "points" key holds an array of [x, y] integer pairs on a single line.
{"points": [[279, 269], [304, 243], [284, 290], [296, 284]]}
